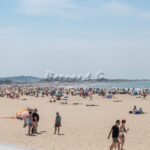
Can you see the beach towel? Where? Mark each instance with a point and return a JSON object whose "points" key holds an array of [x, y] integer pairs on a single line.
{"points": [[109, 96], [22, 114]]}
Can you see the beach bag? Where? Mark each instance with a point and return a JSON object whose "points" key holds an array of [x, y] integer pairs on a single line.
{"points": [[109, 96], [137, 112]]}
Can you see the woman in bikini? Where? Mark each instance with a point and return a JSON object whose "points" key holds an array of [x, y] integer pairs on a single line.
{"points": [[121, 134]]}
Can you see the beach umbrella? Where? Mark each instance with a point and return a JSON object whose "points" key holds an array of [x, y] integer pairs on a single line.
{"points": [[135, 93]]}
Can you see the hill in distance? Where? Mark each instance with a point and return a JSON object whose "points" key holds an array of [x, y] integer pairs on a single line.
{"points": [[31, 79], [21, 79]]}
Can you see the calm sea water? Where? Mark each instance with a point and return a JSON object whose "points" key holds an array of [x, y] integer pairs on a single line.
{"points": [[137, 85]]}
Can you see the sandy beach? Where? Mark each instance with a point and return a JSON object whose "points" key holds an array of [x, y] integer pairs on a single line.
{"points": [[83, 128]]}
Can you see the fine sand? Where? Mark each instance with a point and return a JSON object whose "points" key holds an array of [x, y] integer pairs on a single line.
{"points": [[83, 128]]}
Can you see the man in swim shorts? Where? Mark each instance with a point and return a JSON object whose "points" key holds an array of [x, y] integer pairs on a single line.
{"points": [[115, 135], [35, 117]]}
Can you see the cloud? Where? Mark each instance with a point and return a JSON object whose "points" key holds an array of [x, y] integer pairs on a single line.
{"points": [[70, 9], [45, 6], [118, 8]]}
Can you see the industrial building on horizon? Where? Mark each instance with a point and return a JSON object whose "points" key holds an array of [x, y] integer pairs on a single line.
{"points": [[51, 76]]}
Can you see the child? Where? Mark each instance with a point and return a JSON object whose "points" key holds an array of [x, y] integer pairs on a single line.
{"points": [[57, 123], [141, 111]]}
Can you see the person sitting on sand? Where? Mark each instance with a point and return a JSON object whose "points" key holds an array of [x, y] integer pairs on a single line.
{"points": [[57, 123], [115, 135], [52, 99], [121, 134], [134, 110], [141, 111]]}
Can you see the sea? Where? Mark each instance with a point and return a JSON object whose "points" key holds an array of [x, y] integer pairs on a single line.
{"points": [[130, 84]]}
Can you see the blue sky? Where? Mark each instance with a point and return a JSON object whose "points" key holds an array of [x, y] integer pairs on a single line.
{"points": [[75, 36]]}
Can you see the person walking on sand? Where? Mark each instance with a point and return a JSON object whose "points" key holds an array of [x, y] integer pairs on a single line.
{"points": [[57, 123], [115, 135], [121, 134]]}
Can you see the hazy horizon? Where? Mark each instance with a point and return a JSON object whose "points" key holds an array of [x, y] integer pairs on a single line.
{"points": [[75, 37], [106, 77]]}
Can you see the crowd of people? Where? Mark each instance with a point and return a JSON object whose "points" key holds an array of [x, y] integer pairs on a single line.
{"points": [[18, 92], [118, 131], [31, 117]]}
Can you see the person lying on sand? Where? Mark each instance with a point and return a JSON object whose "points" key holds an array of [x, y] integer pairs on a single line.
{"points": [[24, 99], [138, 97], [91, 105], [52, 101], [77, 103], [117, 101], [63, 103]]}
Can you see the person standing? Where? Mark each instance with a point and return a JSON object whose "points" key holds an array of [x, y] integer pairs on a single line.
{"points": [[115, 135], [29, 122], [57, 123], [36, 118]]}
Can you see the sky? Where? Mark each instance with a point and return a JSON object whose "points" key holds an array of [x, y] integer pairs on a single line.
{"points": [[75, 37]]}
